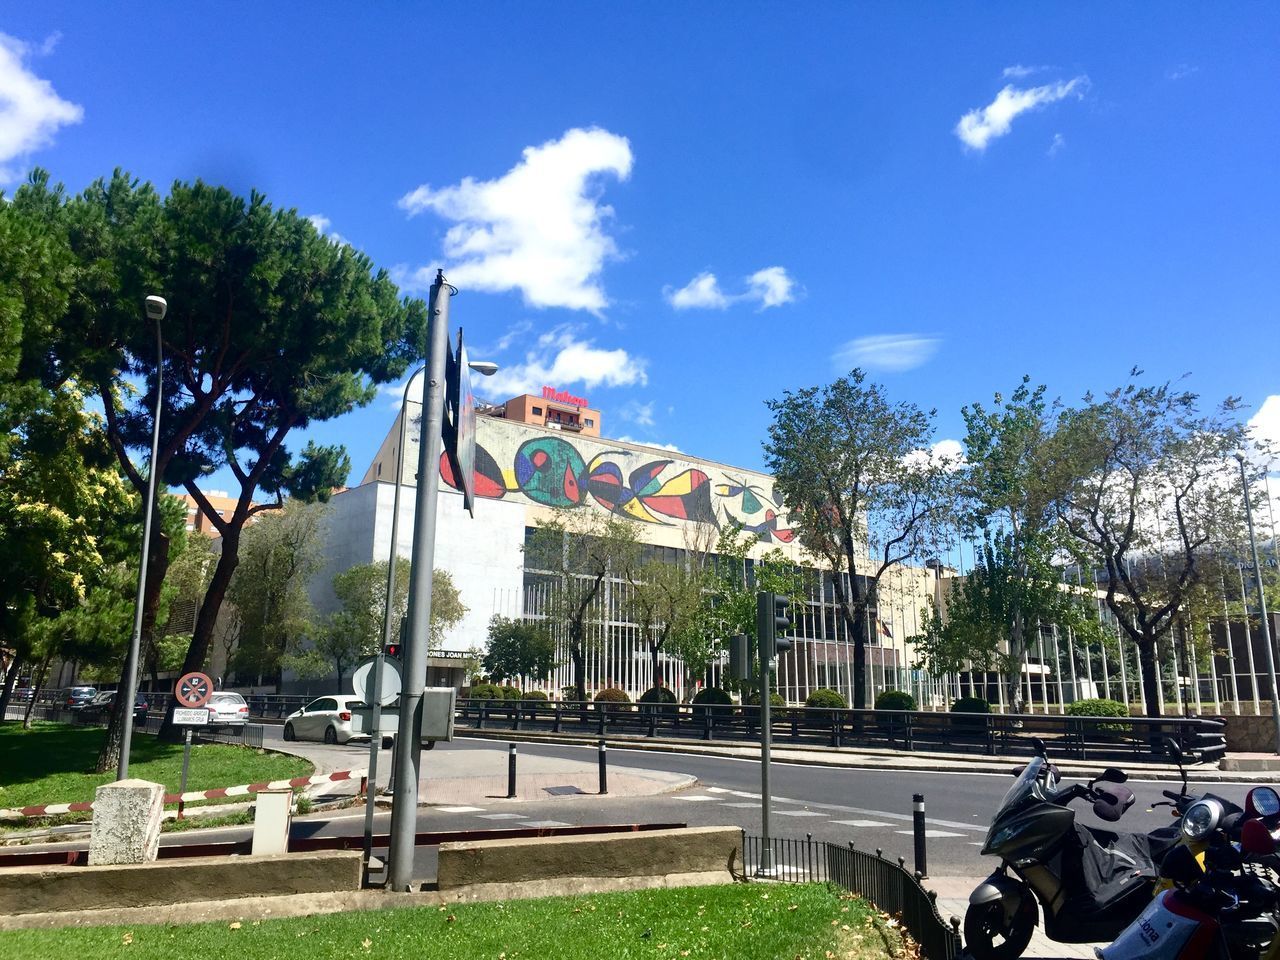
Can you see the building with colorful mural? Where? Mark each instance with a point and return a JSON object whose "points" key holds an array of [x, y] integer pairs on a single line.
{"points": [[530, 466]]}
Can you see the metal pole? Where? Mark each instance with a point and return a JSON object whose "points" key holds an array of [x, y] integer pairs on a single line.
{"points": [[1248, 644], [1231, 652], [1262, 605], [917, 833], [602, 758], [511, 771], [404, 808], [186, 764], [375, 739], [764, 611], [135, 641]]}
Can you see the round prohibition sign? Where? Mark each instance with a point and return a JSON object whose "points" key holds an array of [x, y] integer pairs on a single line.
{"points": [[194, 690]]}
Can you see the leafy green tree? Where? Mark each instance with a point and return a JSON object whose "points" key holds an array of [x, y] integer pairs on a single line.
{"points": [[1150, 493], [518, 648], [578, 554], [271, 327], [664, 601], [862, 488]]}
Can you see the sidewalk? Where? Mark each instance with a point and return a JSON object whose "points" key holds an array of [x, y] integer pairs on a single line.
{"points": [[953, 901]]}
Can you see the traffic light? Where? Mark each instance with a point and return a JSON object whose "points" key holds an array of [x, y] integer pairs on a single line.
{"points": [[772, 624], [739, 666], [392, 650]]}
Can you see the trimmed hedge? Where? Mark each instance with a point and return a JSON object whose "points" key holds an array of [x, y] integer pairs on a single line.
{"points": [[1097, 707], [828, 698], [713, 695], [970, 705], [658, 695], [895, 700], [612, 695], [533, 695], [509, 692], [752, 699], [486, 691]]}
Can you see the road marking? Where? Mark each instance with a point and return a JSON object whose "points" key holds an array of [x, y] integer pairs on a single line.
{"points": [[543, 823], [501, 816], [799, 813], [718, 790], [459, 809], [744, 805], [696, 798], [932, 834], [861, 823], [839, 808]]}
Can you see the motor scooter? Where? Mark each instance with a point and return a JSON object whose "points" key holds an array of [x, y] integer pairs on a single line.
{"points": [[1090, 883]]}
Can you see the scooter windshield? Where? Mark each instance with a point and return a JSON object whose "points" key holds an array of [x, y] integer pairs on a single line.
{"points": [[1027, 784]]}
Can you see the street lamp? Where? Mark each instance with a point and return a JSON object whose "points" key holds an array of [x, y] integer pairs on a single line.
{"points": [[1262, 603], [156, 307]]}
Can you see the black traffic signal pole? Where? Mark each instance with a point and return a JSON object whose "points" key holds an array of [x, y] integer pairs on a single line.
{"points": [[770, 619]]}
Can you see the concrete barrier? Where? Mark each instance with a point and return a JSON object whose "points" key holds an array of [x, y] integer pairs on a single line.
{"points": [[64, 889], [541, 866]]}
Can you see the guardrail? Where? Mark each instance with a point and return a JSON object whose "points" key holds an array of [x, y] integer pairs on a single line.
{"points": [[1084, 738], [886, 883]]}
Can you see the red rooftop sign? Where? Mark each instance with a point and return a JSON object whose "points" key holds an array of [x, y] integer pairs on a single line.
{"points": [[563, 396]]}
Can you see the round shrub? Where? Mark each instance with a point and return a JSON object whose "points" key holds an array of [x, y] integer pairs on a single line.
{"points": [[752, 699], [657, 695], [895, 700], [1100, 708], [612, 695], [485, 691], [713, 695], [509, 692], [533, 695], [970, 705], [826, 697]]}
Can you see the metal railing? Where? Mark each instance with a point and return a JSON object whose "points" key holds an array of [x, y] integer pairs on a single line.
{"points": [[994, 734], [886, 883]]}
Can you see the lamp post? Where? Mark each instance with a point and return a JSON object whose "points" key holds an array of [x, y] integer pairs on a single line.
{"points": [[408, 753], [1262, 604], [156, 308]]}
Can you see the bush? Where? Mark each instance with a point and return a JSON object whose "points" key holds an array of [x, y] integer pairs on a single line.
{"points": [[895, 700], [826, 697], [752, 699], [970, 705], [657, 695], [713, 695], [612, 695], [569, 694], [509, 692], [1101, 708], [533, 695], [485, 691]]}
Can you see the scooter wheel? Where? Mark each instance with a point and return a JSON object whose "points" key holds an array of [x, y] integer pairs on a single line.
{"points": [[988, 935]]}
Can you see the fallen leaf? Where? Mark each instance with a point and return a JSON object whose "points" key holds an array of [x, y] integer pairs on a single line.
{"points": [[257, 923], [705, 929], [662, 946], [746, 923], [794, 906], [843, 926], [764, 896], [235, 926], [684, 953], [127, 939], [366, 943], [450, 918]]}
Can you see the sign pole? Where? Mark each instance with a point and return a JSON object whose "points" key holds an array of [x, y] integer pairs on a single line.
{"points": [[186, 764], [404, 804], [764, 646]]}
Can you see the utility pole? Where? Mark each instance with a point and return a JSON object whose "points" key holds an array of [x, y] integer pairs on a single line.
{"points": [[1262, 606], [408, 756], [771, 619]]}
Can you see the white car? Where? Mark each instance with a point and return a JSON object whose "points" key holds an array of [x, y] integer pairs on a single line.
{"points": [[227, 709], [325, 718]]}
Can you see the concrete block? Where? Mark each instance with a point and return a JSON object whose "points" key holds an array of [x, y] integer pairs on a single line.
{"points": [[126, 822], [646, 853]]}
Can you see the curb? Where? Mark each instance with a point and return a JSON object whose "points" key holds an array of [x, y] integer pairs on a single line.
{"points": [[868, 759]]}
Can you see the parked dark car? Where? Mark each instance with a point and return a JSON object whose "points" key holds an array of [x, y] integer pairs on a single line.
{"points": [[99, 708], [79, 697]]}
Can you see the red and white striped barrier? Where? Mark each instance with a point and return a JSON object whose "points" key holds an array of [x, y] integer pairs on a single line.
{"points": [[243, 790]]}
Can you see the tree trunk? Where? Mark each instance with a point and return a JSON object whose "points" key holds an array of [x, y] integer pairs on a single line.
{"points": [[657, 669], [10, 679], [1150, 675], [198, 651], [37, 683], [579, 665]]}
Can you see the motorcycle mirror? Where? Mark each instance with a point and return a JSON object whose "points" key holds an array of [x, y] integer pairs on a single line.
{"points": [[1256, 839], [1038, 746], [1114, 775], [1262, 802], [1172, 750]]}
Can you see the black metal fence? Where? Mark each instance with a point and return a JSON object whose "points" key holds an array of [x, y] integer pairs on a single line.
{"points": [[886, 883], [1083, 738]]}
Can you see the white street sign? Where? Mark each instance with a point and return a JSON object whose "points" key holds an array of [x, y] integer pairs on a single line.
{"points": [[187, 717]]}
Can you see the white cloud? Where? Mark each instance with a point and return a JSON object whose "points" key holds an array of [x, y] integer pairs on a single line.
{"points": [[510, 336], [1264, 432], [948, 454], [538, 229], [649, 443], [1059, 141], [769, 287], [641, 414], [30, 111], [979, 127], [322, 224], [1018, 71], [561, 359], [702, 292], [1181, 71], [893, 352]]}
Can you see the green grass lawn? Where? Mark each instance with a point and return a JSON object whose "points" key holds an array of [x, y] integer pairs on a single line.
{"points": [[739, 921], [53, 763]]}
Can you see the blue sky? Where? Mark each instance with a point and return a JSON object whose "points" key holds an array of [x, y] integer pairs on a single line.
{"points": [[681, 210]]}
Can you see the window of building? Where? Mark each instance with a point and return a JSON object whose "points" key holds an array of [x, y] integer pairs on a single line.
{"points": [[590, 422], [379, 473], [537, 411]]}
